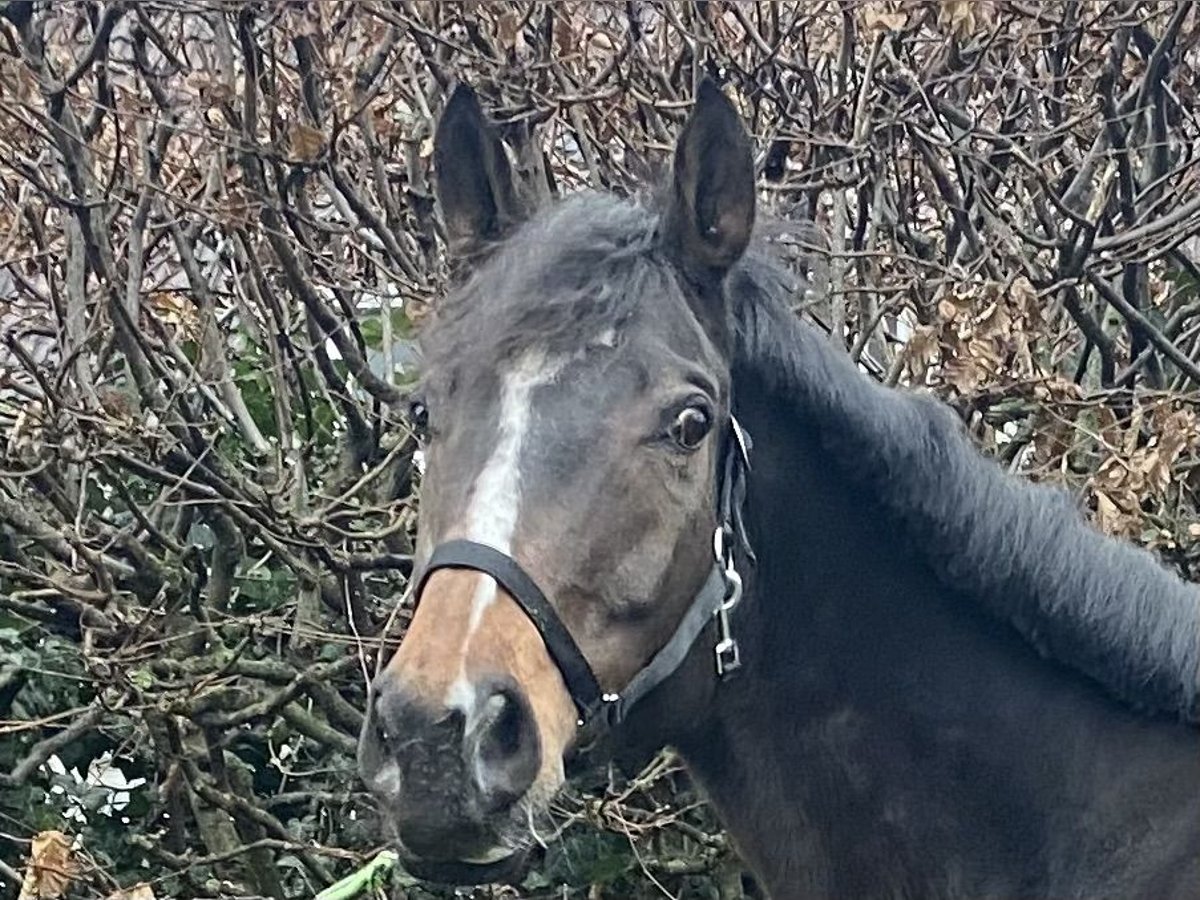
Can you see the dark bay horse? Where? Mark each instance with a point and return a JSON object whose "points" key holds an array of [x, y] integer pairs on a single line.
{"points": [[659, 510]]}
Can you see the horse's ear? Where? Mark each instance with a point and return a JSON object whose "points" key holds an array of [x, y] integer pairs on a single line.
{"points": [[474, 181], [711, 208]]}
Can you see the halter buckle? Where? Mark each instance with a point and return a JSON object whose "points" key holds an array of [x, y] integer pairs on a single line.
{"points": [[721, 552], [728, 654], [729, 658]]}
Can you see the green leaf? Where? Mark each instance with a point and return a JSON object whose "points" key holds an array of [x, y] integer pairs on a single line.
{"points": [[263, 589], [366, 880], [331, 652], [372, 328]]}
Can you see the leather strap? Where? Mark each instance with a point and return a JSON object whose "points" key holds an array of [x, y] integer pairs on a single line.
{"points": [[673, 652], [576, 672]]}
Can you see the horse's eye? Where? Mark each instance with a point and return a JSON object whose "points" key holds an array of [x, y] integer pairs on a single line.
{"points": [[418, 417], [691, 426]]}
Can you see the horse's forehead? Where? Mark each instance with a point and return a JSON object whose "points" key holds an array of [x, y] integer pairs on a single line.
{"points": [[476, 367], [601, 368]]}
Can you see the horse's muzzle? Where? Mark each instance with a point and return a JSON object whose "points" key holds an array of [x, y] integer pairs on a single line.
{"points": [[449, 778]]}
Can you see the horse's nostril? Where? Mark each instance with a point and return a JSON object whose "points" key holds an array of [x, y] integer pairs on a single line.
{"points": [[504, 742], [501, 720]]}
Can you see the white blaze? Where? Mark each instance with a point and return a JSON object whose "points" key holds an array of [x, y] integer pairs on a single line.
{"points": [[496, 496]]}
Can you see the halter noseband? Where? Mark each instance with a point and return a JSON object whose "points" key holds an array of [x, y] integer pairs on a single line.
{"points": [[716, 598]]}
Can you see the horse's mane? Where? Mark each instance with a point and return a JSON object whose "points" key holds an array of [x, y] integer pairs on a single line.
{"points": [[1102, 606], [1023, 550]]}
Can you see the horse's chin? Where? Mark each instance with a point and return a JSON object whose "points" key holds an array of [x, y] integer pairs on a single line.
{"points": [[466, 873]]}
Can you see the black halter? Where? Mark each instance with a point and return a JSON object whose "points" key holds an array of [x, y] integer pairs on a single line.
{"points": [[717, 597]]}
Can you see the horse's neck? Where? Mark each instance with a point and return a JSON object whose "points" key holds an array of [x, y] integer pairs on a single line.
{"points": [[885, 734]]}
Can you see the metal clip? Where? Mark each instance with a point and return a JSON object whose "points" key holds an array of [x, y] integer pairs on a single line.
{"points": [[728, 655], [720, 547], [733, 581], [729, 658]]}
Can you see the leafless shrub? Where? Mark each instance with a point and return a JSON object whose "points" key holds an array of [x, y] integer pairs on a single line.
{"points": [[217, 237]]}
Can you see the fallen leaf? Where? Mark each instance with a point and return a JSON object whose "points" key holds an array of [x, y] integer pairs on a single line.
{"points": [[382, 121], [960, 16], [947, 310], [508, 31], [994, 321], [963, 373], [51, 867], [307, 142], [883, 17], [921, 350], [1113, 473], [601, 41], [1110, 518], [564, 30]]}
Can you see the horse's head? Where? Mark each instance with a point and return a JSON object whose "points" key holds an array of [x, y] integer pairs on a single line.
{"points": [[575, 411]]}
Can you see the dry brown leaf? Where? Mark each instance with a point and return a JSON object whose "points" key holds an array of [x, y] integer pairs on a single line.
{"points": [[304, 18], [119, 404], [27, 432], [947, 310], [1022, 363], [963, 373], [382, 121], [565, 30], [51, 867], [994, 321], [880, 17], [307, 142], [418, 311], [176, 309], [921, 350], [219, 92], [598, 40], [1153, 468], [1113, 474], [1109, 517], [1118, 513], [508, 30], [237, 210], [961, 16], [209, 88], [1064, 390]]}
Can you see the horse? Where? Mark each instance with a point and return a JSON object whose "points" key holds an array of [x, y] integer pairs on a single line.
{"points": [[658, 509]]}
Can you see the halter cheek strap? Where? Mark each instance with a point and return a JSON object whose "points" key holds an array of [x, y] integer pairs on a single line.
{"points": [[576, 673], [717, 597]]}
